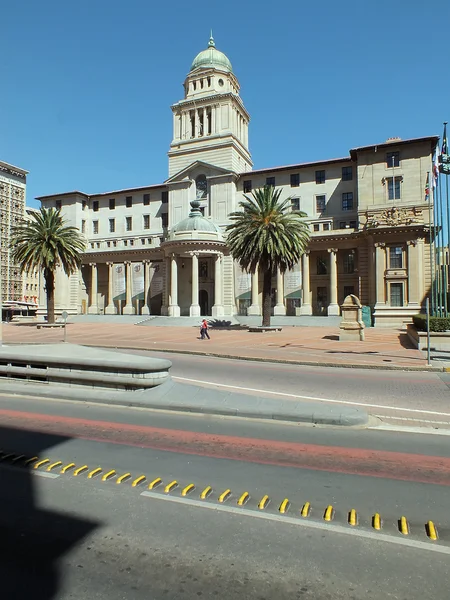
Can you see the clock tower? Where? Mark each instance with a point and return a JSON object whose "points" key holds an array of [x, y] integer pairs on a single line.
{"points": [[211, 123]]}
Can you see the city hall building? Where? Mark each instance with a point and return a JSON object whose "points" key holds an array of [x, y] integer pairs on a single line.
{"points": [[162, 250]]}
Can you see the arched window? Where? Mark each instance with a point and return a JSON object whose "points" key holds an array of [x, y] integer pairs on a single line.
{"points": [[201, 186]]}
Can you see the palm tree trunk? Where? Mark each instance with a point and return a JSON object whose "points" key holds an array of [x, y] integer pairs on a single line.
{"points": [[267, 297], [49, 277]]}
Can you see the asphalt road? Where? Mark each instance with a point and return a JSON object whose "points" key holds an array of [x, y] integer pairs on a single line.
{"points": [[79, 537], [396, 397]]}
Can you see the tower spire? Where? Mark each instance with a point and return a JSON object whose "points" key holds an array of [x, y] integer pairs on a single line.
{"points": [[211, 41]]}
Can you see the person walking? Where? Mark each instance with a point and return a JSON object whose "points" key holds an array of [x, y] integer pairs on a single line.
{"points": [[204, 330]]}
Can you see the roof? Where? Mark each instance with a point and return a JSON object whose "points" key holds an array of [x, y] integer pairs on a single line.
{"points": [[211, 57], [394, 142], [114, 192], [4, 165], [296, 166]]}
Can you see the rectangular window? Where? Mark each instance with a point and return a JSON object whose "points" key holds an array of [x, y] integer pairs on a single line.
{"points": [[320, 176], [143, 241], [270, 181], [316, 227], [322, 265], [295, 203], [83, 226], [129, 201], [295, 179], [326, 227], [320, 203], [247, 186], [342, 224], [347, 173], [395, 257], [94, 226], [58, 205], [165, 197], [393, 159], [349, 263], [112, 225], [129, 223], [95, 206], [131, 242], [394, 193], [347, 201], [348, 289], [165, 220], [146, 199], [396, 294], [146, 221], [352, 224], [112, 203]]}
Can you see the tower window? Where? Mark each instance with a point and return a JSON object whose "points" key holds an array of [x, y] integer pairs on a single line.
{"points": [[209, 81], [201, 187], [129, 201]]}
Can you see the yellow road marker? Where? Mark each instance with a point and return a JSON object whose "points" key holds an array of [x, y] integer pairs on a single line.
{"points": [[376, 521], [53, 465], [170, 486], [41, 462], [7, 456], [306, 510], [80, 470], [328, 515], [353, 518], [263, 502], [94, 472], [155, 483], [123, 477], [431, 530], [67, 467], [224, 496], [30, 460], [138, 480], [243, 499], [188, 489], [206, 492], [108, 475], [17, 458], [284, 506], [403, 526]]}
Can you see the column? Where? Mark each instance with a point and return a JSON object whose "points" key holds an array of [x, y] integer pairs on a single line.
{"points": [[128, 309], [306, 307], [197, 124], [183, 126], [280, 308], [165, 266], [333, 307], [146, 305], [110, 309], [380, 268], [415, 275], [254, 308], [93, 307], [174, 309], [213, 119], [205, 122], [194, 310], [217, 309]]}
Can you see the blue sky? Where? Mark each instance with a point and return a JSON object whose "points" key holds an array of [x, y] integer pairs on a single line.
{"points": [[87, 86]]}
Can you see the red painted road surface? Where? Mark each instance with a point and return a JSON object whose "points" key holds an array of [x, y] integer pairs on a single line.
{"points": [[355, 461]]}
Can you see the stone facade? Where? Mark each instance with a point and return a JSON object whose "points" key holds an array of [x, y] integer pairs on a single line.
{"points": [[367, 213]]}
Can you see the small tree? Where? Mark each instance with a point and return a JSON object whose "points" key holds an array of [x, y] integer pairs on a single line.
{"points": [[44, 243], [265, 235]]}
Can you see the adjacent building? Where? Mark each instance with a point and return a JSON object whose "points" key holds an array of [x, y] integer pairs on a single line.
{"points": [[161, 249]]}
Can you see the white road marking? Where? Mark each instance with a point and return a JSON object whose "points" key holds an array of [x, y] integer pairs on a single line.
{"points": [[247, 389], [411, 419], [44, 474], [381, 537], [406, 429]]}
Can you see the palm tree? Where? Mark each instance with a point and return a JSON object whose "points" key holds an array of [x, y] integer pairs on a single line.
{"points": [[44, 243], [265, 236]]}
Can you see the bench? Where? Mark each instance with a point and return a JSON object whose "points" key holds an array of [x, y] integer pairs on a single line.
{"points": [[45, 325], [263, 329]]}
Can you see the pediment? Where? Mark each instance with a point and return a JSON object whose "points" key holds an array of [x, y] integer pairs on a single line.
{"points": [[194, 169]]}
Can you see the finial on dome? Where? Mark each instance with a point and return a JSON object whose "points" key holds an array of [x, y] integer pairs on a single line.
{"points": [[195, 209], [211, 41]]}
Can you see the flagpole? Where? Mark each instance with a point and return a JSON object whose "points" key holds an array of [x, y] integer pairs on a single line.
{"points": [[430, 243]]}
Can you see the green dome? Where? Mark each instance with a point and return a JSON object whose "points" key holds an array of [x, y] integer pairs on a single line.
{"points": [[211, 57], [196, 222]]}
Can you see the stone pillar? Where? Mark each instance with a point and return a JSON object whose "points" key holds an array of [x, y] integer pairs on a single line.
{"points": [[333, 307], [128, 309], [205, 122], [217, 309], [146, 307], [197, 123], [174, 309], [380, 268], [183, 126], [110, 309], [93, 307], [280, 308], [213, 119], [306, 307], [165, 266], [254, 308], [194, 310], [415, 274]]}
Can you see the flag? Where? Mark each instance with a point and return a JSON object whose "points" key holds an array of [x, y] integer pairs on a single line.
{"points": [[427, 188], [436, 167], [444, 149]]}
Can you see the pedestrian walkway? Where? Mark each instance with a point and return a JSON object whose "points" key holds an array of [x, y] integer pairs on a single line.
{"points": [[383, 348]]}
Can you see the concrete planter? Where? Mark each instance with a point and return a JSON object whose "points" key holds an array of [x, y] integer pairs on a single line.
{"points": [[439, 340]]}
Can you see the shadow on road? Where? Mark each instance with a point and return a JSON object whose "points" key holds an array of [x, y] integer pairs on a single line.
{"points": [[32, 539]]}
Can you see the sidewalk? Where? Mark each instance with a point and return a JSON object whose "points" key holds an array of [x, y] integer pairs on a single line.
{"points": [[382, 349]]}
